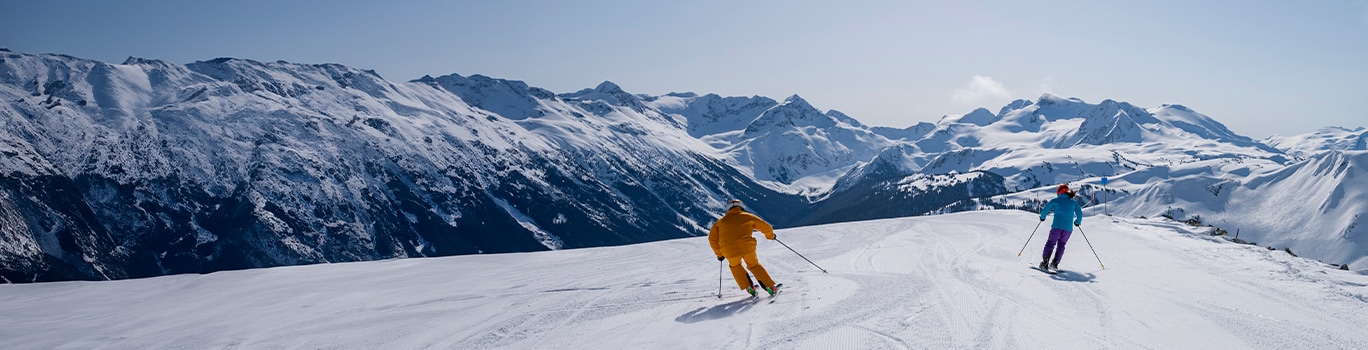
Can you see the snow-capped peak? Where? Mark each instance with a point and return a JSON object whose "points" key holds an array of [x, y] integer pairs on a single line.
{"points": [[793, 140], [302, 156], [608, 87], [793, 112], [146, 61], [1014, 105], [797, 100], [1052, 99], [510, 99], [1071, 121], [610, 93], [711, 115], [980, 117], [1190, 121]]}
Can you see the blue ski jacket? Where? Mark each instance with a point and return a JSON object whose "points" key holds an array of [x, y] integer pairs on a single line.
{"points": [[1066, 209]]}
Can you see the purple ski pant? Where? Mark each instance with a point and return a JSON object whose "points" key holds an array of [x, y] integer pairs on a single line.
{"points": [[1058, 237]]}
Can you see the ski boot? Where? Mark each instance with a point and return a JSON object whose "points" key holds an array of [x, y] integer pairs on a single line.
{"points": [[773, 290], [1044, 265], [751, 290]]}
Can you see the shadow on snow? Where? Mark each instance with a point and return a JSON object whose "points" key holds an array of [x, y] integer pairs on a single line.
{"points": [[1073, 276], [716, 312]]}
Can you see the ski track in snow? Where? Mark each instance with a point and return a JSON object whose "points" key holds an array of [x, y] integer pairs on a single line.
{"points": [[948, 281]]}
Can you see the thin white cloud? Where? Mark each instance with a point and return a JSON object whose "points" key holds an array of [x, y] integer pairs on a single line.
{"points": [[980, 89], [1045, 86]]}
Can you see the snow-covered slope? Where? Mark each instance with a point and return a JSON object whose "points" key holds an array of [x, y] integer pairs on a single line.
{"points": [[790, 145], [794, 140], [1056, 140], [949, 281], [711, 115], [149, 167], [1315, 207], [1042, 143], [1312, 207], [1325, 139]]}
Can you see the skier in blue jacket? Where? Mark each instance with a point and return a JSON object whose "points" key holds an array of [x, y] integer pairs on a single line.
{"points": [[1066, 210]]}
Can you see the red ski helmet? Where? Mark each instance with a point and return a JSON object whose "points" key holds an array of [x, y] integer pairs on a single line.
{"points": [[1062, 189]]}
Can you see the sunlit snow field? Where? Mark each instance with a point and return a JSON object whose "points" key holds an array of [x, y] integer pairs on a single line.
{"points": [[947, 281]]}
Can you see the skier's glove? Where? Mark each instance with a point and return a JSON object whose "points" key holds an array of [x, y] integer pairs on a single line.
{"points": [[721, 258]]}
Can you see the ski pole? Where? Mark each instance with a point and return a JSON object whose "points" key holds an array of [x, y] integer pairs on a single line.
{"points": [[1090, 247], [719, 279], [1028, 239], [776, 239]]}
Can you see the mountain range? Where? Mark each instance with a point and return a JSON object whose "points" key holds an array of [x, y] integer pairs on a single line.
{"points": [[149, 168]]}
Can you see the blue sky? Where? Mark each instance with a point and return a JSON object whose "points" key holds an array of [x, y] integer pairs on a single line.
{"points": [[1260, 67]]}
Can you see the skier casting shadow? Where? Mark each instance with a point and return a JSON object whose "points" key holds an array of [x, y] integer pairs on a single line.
{"points": [[1066, 210], [731, 240]]}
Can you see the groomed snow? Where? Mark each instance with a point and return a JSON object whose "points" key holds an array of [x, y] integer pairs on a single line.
{"points": [[947, 281]]}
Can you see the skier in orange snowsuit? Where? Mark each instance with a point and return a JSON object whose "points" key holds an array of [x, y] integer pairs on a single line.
{"points": [[731, 240]]}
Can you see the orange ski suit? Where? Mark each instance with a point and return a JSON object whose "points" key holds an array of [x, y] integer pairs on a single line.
{"points": [[731, 238]]}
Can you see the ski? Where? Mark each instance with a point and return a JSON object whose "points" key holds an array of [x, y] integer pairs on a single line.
{"points": [[1049, 271], [777, 290]]}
